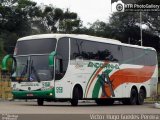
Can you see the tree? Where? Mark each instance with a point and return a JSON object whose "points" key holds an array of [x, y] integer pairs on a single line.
{"points": [[69, 22]]}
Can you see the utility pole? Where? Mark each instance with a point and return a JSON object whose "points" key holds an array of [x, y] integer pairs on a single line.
{"points": [[141, 28], [129, 41]]}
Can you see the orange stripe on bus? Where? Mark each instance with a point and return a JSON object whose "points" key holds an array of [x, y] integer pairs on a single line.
{"points": [[130, 75]]}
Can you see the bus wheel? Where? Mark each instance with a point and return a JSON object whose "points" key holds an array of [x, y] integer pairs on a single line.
{"points": [[74, 100], [40, 102], [141, 97], [133, 97]]}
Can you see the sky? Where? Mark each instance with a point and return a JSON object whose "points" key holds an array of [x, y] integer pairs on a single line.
{"points": [[89, 11]]}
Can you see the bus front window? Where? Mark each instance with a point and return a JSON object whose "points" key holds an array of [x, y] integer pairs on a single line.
{"points": [[33, 68], [32, 59], [21, 69]]}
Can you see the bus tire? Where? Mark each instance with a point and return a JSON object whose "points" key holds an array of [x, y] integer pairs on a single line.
{"points": [[40, 102], [141, 97], [133, 97], [74, 100]]}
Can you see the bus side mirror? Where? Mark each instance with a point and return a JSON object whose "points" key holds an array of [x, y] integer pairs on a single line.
{"points": [[51, 58], [4, 63], [7, 62]]}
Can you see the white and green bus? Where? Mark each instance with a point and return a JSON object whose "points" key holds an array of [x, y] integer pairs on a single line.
{"points": [[68, 67]]}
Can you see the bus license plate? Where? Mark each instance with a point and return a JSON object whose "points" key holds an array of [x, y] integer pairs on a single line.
{"points": [[30, 95]]}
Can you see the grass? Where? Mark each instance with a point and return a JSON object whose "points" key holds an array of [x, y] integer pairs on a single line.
{"points": [[151, 99]]}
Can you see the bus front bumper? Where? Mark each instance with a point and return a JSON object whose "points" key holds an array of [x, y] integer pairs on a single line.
{"points": [[43, 94]]}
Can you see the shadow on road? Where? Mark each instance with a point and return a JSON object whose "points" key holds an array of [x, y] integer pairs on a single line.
{"points": [[67, 104]]}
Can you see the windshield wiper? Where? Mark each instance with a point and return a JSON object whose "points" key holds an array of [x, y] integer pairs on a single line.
{"points": [[32, 69]]}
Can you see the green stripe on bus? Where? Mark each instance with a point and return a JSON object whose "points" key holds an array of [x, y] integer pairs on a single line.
{"points": [[89, 80], [97, 86], [36, 94]]}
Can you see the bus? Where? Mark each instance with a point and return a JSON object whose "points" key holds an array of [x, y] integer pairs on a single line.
{"points": [[72, 67]]}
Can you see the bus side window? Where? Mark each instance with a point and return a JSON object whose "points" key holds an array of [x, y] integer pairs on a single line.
{"points": [[150, 58], [58, 69]]}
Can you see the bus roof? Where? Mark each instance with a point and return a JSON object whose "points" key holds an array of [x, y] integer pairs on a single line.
{"points": [[82, 36]]}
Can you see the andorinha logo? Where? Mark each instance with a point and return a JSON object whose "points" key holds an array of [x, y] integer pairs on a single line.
{"points": [[101, 65], [133, 6]]}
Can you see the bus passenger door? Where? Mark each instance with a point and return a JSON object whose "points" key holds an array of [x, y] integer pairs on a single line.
{"points": [[62, 86]]}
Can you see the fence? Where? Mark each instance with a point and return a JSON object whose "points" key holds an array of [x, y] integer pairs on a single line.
{"points": [[5, 87]]}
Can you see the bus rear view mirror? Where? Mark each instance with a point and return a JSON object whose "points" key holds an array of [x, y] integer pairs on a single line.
{"points": [[7, 64], [51, 58]]}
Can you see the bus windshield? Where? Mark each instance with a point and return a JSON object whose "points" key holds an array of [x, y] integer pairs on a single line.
{"points": [[32, 59]]}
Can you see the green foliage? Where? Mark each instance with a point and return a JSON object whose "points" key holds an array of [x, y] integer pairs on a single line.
{"points": [[158, 58], [25, 3], [159, 88], [69, 22], [156, 2], [58, 14]]}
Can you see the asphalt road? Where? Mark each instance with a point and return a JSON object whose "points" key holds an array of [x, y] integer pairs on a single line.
{"points": [[30, 107]]}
